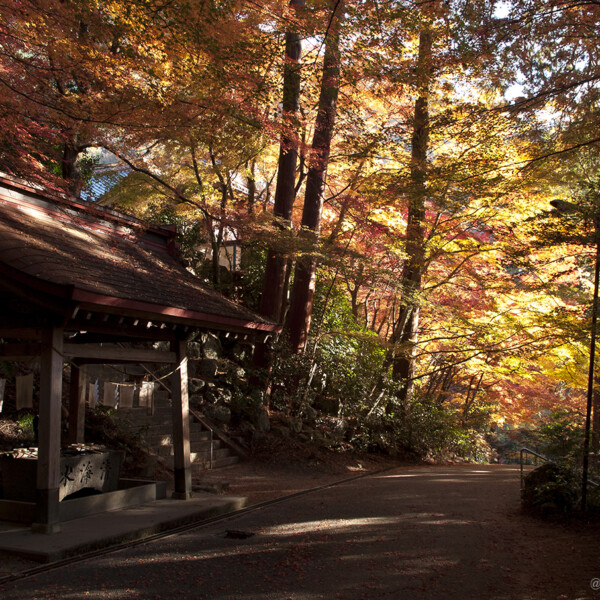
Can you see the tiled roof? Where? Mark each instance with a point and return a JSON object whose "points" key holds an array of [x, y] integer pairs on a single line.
{"points": [[57, 245]]}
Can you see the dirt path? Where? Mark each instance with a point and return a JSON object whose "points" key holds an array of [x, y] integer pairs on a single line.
{"points": [[548, 559], [412, 532], [263, 480]]}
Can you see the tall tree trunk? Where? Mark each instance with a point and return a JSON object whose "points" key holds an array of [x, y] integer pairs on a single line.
{"points": [[274, 286], [299, 317], [404, 334]]}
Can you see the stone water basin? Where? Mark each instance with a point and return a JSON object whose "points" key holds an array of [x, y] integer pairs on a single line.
{"points": [[88, 467]]}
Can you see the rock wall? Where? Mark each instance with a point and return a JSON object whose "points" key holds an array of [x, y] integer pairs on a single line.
{"points": [[219, 372]]}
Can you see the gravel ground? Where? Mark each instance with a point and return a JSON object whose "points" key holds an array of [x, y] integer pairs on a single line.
{"points": [[424, 532], [259, 481], [263, 480]]}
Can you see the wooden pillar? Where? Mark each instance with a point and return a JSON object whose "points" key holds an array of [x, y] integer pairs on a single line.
{"points": [[77, 392], [181, 424], [48, 467]]}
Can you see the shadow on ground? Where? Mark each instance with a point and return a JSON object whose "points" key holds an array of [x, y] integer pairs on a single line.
{"points": [[416, 532]]}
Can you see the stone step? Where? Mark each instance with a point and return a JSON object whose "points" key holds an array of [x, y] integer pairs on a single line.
{"points": [[148, 420], [204, 446], [159, 420], [163, 412], [162, 399], [144, 422], [148, 429], [141, 415], [130, 412], [222, 462], [141, 412], [195, 448], [132, 415], [157, 432], [166, 438], [162, 428], [217, 453], [221, 457]]}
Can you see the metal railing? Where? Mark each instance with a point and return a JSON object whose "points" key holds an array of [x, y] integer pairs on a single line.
{"points": [[532, 452], [544, 459]]}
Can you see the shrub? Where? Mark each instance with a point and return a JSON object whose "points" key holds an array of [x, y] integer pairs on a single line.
{"points": [[550, 489], [561, 435]]}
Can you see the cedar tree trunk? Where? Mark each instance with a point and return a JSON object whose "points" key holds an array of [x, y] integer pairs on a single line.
{"points": [[404, 335], [299, 317], [274, 285]]}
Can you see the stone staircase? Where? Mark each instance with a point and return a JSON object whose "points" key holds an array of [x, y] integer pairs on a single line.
{"points": [[155, 428]]}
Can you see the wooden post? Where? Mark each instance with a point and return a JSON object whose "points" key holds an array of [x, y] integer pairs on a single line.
{"points": [[181, 424], [48, 467], [77, 405]]}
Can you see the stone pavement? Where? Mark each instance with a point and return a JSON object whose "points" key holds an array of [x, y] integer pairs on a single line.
{"points": [[110, 528]]}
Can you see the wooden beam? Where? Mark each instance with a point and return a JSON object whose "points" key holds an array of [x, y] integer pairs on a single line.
{"points": [[98, 332], [20, 333], [118, 354], [16, 351]]}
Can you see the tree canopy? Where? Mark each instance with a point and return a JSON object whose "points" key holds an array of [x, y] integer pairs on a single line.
{"points": [[386, 166]]}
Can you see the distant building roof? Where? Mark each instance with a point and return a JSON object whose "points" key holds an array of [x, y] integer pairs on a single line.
{"points": [[98, 257]]}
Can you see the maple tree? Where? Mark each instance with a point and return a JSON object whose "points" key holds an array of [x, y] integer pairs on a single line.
{"points": [[113, 75], [418, 187], [427, 208]]}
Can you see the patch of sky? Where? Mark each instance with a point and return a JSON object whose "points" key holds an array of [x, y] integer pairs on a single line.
{"points": [[502, 9], [105, 171]]}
